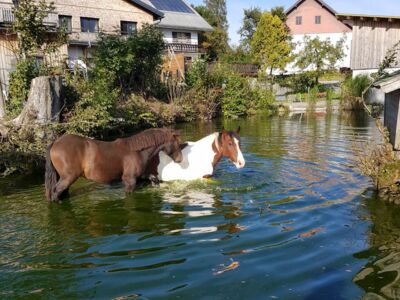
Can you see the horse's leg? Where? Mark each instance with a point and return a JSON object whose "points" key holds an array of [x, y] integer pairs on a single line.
{"points": [[62, 186], [129, 182], [154, 180]]}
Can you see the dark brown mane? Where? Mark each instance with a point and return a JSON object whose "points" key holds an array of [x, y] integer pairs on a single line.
{"points": [[150, 137]]}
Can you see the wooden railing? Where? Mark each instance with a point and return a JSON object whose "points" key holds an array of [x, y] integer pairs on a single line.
{"points": [[7, 16], [188, 48]]}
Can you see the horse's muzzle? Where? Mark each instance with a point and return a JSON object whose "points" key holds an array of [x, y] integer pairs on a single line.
{"points": [[240, 164]]}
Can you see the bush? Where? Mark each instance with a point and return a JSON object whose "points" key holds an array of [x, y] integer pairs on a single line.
{"points": [[94, 103], [352, 89], [237, 96], [136, 60], [20, 83], [299, 83]]}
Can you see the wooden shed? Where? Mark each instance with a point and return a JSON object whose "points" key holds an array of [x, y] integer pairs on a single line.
{"points": [[391, 87]]}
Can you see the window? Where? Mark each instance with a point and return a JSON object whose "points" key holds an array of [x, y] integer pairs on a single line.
{"points": [[65, 22], [89, 25], [181, 37], [128, 28], [317, 19], [298, 20]]}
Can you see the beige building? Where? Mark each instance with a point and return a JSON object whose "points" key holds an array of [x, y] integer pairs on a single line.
{"points": [[85, 19]]}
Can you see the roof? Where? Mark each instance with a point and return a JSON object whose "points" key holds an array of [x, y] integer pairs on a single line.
{"points": [[179, 15], [155, 12], [343, 15], [389, 83], [299, 2]]}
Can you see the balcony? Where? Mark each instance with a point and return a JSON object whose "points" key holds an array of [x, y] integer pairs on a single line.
{"points": [[184, 48], [7, 16]]}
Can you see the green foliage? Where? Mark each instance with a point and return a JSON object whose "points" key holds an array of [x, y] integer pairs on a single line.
{"points": [[299, 83], [354, 87], [269, 45], [252, 17], [389, 61], [319, 55], [237, 96], [31, 30], [203, 75], [135, 61], [215, 42], [93, 112], [218, 9], [237, 55], [20, 83]]}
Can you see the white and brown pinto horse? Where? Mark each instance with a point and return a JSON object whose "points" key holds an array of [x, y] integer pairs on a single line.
{"points": [[199, 158]]}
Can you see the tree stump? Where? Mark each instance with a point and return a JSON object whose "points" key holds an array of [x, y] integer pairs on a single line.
{"points": [[44, 102]]}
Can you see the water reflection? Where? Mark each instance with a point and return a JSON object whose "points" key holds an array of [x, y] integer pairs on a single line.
{"points": [[380, 277]]}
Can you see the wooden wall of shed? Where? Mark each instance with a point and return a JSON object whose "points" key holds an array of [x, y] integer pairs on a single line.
{"points": [[371, 40], [392, 117]]}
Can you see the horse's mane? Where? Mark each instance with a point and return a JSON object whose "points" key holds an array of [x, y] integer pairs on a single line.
{"points": [[150, 138]]}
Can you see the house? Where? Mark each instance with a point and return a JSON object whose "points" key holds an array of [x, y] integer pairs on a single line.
{"points": [[315, 18], [373, 36], [85, 19], [181, 26]]}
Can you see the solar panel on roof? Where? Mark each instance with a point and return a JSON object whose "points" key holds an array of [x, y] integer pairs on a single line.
{"points": [[171, 5]]}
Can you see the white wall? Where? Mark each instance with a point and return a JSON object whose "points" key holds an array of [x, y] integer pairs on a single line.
{"points": [[334, 38], [168, 36]]}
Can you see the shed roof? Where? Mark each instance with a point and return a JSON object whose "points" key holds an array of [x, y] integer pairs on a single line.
{"points": [[390, 83]]}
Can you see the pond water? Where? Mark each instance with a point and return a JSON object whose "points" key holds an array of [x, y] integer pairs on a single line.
{"points": [[298, 222]]}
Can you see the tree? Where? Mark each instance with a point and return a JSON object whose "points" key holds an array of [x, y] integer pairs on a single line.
{"points": [[216, 41], [250, 20], [34, 38], [218, 9], [319, 55], [279, 11], [269, 45]]}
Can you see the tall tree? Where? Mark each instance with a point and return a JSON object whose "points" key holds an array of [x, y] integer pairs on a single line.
{"points": [[279, 11], [218, 9], [319, 55], [250, 20], [216, 41], [269, 45]]}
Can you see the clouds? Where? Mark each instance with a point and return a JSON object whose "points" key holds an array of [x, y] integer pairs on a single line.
{"points": [[235, 9]]}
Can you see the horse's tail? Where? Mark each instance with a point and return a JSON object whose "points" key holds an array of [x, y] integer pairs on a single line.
{"points": [[50, 177]]}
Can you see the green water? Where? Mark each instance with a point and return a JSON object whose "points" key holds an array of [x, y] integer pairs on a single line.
{"points": [[298, 222]]}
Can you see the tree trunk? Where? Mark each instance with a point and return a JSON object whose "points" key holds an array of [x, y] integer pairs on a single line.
{"points": [[44, 102]]}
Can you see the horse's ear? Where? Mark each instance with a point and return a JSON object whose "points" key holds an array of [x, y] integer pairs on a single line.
{"points": [[223, 130], [238, 130]]}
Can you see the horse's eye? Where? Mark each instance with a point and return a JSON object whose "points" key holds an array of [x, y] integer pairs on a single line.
{"points": [[230, 144]]}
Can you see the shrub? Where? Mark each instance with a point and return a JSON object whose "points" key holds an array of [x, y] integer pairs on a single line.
{"points": [[136, 60], [94, 106], [352, 89], [237, 96]]}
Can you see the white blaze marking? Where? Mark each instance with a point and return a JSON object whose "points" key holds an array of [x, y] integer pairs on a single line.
{"points": [[240, 159]]}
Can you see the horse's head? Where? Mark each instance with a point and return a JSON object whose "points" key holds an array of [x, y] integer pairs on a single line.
{"points": [[173, 148], [229, 146]]}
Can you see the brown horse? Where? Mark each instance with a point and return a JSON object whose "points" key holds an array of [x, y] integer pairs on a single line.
{"points": [[125, 159]]}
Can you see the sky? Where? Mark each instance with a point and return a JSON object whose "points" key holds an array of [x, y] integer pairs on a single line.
{"points": [[235, 9]]}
